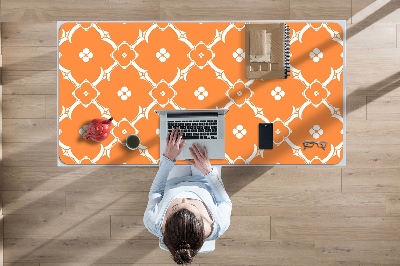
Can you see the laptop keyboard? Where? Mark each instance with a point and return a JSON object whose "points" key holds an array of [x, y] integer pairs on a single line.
{"points": [[196, 129]]}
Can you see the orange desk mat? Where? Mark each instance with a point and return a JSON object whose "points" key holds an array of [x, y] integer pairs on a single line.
{"points": [[128, 70]]}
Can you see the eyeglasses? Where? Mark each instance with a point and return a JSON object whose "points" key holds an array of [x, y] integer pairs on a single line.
{"points": [[310, 144]]}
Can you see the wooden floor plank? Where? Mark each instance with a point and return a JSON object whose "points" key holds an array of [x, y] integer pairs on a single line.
{"points": [[24, 106], [147, 251], [335, 228], [29, 58], [380, 180], [61, 179], [376, 264], [384, 36], [22, 154], [30, 82], [393, 204], [373, 131], [383, 108], [123, 10], [370, 155], [33, 202], [254, 252], [397, 35], [128, 227], [29, 34], [132, 178], [224, 10], [370, 12], [1, 156], [357, 6], [21, 264], [364, 252], [51, 107], [1, 238], [51, 178], [286, 180], [113, 264], [325, 9], [309, 204], [15, 130], [126, 179], [85, 251], [53, 226], [356, 108], [107, 203], [372, 81], [249, 227]]}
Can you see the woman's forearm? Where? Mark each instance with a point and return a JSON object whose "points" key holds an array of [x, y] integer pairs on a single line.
{"points": [[160, 179]]}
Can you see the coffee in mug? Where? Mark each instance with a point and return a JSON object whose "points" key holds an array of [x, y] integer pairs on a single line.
{"points": [[132, 142]]}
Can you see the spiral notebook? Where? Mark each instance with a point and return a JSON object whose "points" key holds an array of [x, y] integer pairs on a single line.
{"points": [[267, 51]]}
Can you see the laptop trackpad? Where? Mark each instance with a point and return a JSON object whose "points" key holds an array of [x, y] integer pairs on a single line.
{"points": [[212, 147]]}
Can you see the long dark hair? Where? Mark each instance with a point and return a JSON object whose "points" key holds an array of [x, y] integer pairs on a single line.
{"points": [[184, 235]]}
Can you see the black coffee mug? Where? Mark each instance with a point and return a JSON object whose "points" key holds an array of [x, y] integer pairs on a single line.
{"points": [[132, 142]]}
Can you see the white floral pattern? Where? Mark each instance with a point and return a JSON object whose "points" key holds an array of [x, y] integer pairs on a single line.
{"points": [[162, 55], [239, 131], [277, 93], [316, 131], [316, 55], [86, 55], [201, 93], [238, 55], [124, 93]]}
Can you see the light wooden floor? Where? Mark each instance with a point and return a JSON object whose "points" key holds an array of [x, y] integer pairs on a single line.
{"points": [[281, 215]]}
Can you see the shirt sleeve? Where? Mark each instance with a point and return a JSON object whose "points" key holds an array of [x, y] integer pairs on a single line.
{"points": [[223, 201], [156, 194]]}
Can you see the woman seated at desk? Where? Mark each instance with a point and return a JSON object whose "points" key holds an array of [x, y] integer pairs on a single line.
{"points": [[188, 205]]}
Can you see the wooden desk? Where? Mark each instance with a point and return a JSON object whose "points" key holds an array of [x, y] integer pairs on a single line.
{"points": [[128, 70]]}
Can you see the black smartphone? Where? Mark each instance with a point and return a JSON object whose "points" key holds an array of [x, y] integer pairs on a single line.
{"points": [[265, 136]]}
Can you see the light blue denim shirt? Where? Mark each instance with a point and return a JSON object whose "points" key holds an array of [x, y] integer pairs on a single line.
{"points": [[209, 188]]}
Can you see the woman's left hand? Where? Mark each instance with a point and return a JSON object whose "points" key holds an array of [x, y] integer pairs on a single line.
{"points": [[174, 144]]}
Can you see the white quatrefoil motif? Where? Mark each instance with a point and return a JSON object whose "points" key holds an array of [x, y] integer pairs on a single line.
{"points": [[86, 55]]}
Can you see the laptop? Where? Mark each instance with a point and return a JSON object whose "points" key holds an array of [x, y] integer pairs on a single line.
{"points": [[206, 127]]}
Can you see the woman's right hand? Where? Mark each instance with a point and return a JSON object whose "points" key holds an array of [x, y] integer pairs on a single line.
{"points": [[200, 159]]}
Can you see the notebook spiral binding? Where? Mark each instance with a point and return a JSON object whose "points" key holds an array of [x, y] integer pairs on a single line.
{"points": [[286, 49]]}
